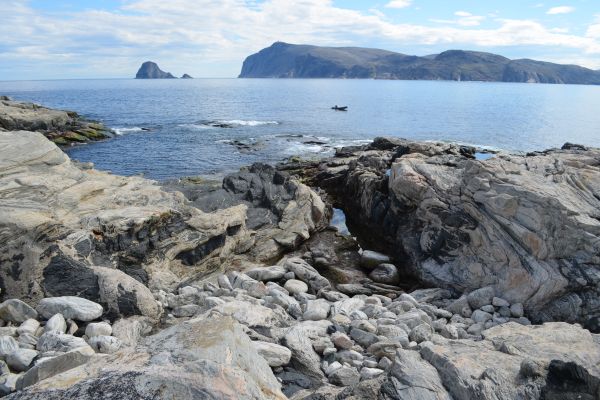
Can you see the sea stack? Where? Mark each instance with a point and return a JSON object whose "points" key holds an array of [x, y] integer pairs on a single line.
{"points": [[186, 76], [150, 70]]}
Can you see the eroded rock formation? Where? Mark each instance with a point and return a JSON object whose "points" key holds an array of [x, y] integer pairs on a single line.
{"points": [[526, 224]]}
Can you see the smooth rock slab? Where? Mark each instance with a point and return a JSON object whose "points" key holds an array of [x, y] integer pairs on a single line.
{"points": [[14, 310], [70, 307], [275, 355]]}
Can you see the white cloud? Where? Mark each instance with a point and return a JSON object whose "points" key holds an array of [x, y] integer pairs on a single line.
{"points": [[465, 19], [398, 3], [208, 38], [560, 10]]}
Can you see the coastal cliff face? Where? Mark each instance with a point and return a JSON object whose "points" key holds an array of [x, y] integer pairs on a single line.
{"points": [[120, 288], [150, 70], [282, 60]]}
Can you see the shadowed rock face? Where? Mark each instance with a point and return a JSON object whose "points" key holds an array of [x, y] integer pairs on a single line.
{"points": [[150, 70], [527, 225], [283, 60]]}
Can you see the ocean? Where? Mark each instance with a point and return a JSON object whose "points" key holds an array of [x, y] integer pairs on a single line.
{"points": [[207, 127]]}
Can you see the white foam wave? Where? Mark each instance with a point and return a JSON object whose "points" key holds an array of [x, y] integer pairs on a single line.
{"points": [[124, 131], [242, 122]]}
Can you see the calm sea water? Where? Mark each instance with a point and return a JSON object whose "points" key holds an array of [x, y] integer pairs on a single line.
{"points": [[189, 125]]}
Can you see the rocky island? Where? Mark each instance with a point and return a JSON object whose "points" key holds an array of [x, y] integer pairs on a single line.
{"points": [[283, 60], [463, 278], [150, 70]]}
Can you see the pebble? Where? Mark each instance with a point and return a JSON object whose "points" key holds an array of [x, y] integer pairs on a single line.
{"points": [[295, 286], [481, 316], [15, 310], [421, 333], [98, 329], [481, 297], [28, 326], [56, 323], [516, 310], [341, 340], [344, 376], [370, 373], [499, 302], [8, 344]]}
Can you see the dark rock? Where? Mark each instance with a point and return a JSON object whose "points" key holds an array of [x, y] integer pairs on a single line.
{"points": [[150, 70], [186, 76]]}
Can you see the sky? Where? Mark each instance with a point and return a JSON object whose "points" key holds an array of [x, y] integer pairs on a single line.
{"points": [[69, 39]]}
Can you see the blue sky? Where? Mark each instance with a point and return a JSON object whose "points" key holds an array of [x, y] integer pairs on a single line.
{"points": [[55, 39]]}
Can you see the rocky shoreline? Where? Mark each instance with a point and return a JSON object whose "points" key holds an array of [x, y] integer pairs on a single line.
{"points": [[462, 279], [65, 128]]}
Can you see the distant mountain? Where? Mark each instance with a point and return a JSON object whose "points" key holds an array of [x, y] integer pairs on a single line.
{"points": [[150, 70], [283, 60], [186, 76]]}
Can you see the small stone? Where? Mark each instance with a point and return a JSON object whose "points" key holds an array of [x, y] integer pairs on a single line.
{"points": [[516, 310], [16, 311], [8, 344], [341, 319], [481, 297], [98, 329], [331, 368], [499, 302], [385, 273], [28, 326], [370, 373], [370, 363], [105, 344], [481, 316], [289, 275], [72, 327], [365, 325], [466, 312], [295, 286], [71, 307], [421, 333], [56, 323], [504, 312], [328, 351], [357, 314], [409, 298], [275, 355], [347, 356], [27, 341], [316, 310], [363, 338], [385, 363], [341, 340], [21, 359], [385, 348], [531, 368], [188, 310], [449, 331], [475, 329], [371, 259], [489, 309], [265, 274], [224, 282], [344, 376]]}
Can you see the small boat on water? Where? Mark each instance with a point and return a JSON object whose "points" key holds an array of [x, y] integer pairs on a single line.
{"points": [[343, 108]]}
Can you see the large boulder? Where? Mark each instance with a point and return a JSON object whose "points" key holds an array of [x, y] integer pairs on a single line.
{"points": [[526, 225], [197, 359]]}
